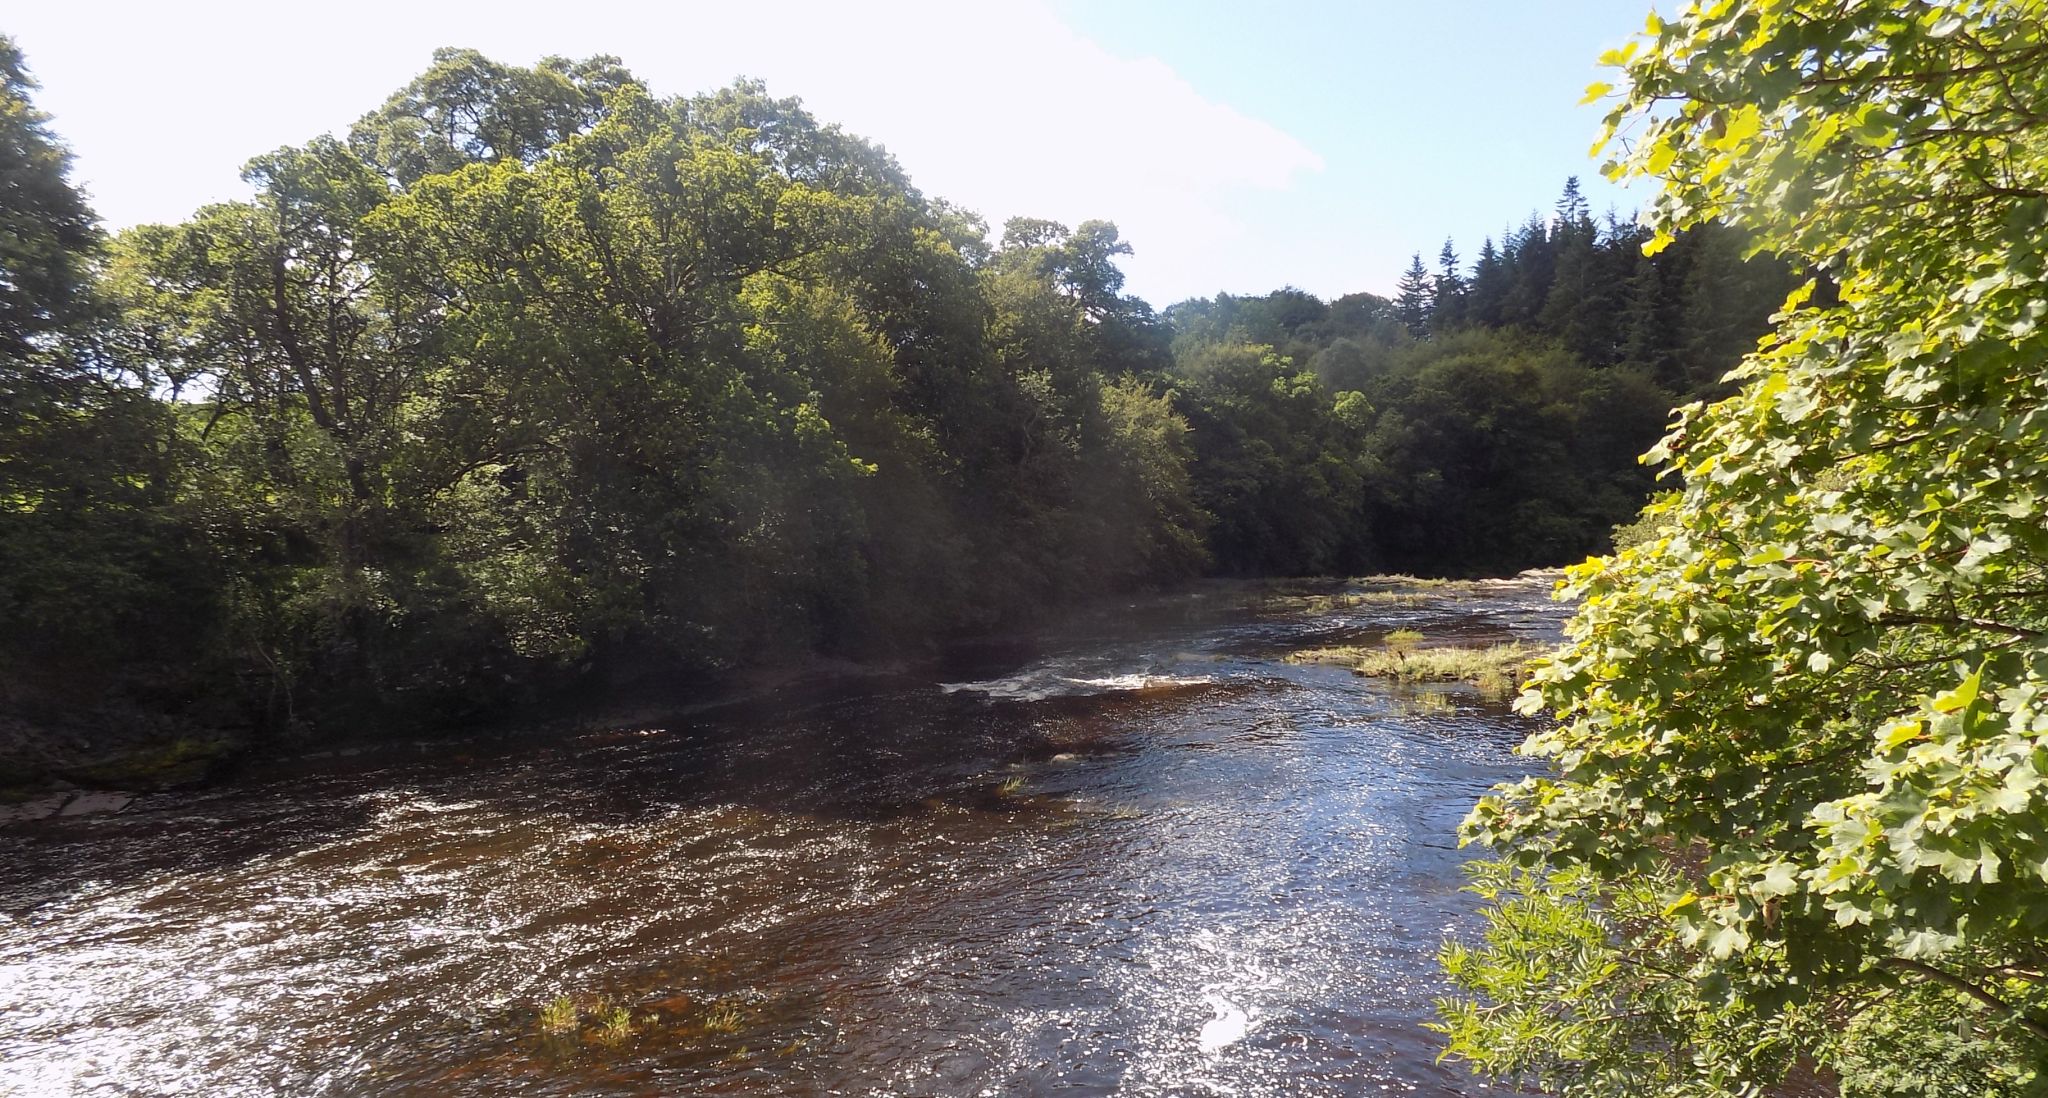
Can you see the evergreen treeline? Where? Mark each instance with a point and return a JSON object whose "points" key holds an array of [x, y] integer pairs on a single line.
{"points": [[533, 376], [1487, 419]]}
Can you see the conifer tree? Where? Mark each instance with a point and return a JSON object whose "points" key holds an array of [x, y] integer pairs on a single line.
{"points": [[1575, 309], [1488, 289], [1572, 212], [1415, 298], [1448, 300], [1531, 261], [1647, 324]]}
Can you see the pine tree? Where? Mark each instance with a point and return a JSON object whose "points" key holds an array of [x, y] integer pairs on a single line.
{"points": [[1531, 261], [1449, 292], [1416, 297], [1722, 298], [1573, 309], [1489, 287], [1649, 328], [1572, 211]]}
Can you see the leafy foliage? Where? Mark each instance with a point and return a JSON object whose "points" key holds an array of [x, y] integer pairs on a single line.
{"points": [[1806, 710]]}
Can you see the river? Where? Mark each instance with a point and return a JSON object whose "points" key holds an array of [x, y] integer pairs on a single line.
{"points": [[1147, 856]]}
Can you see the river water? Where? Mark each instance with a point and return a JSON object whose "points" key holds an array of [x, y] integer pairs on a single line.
{"points": [[1146, 857]]}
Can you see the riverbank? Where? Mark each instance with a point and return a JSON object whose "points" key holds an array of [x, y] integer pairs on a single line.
{"points": [[88, 781]]}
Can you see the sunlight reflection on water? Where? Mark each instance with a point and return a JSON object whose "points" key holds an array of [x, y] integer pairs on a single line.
{"points": [[1041, 878]]}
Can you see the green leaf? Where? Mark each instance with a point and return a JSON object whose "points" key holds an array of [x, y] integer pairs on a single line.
{"points": [[1901, 732], [1780, 879], [1961, 697]]}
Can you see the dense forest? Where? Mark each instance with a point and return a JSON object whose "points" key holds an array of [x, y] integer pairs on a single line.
{"points": [[533, 378]]}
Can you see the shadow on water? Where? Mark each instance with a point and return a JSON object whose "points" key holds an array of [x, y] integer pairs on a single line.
{"points": [[1030, 878]]}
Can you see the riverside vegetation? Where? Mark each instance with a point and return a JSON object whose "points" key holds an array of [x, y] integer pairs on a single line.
{"points": [[1495, 669], [1796, 819], [534, 379]]}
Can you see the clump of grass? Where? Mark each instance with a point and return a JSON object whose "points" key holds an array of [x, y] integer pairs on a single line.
{"points": [[1010, 787], [1343, 600], [1402, 640], [1495, 669], [1126, 812], [1494, 684], [1402, 579], [614, 1024], [1431, 703], [1392, 598], [560, 1016], [724, 1017]]}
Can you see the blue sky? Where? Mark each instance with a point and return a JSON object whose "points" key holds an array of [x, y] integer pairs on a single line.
{"points": [[1449, 118], [1241, 147]]}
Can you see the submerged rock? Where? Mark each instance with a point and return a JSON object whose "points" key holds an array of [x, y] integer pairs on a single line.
{"points": [[88, 803], [94, 804], [37, 809]]}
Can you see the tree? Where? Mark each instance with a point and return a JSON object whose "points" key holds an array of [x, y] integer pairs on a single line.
{"points": [[49, 235], [1801, 750], [102, 582], [1447, 293], [1531, 262], [1488, 289], [60, 406], [1579, 307], [1277, 461], [1415, 296], [1573, 214], [1087, 267], [1358, 314], [1497, 451], [1151, 479], [469, 109]]}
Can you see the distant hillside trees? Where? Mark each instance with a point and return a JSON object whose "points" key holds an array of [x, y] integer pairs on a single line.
{"points": [[1492, 415]]}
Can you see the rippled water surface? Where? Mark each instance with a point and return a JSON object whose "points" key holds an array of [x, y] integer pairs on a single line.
{"points": [[1154, 859]]}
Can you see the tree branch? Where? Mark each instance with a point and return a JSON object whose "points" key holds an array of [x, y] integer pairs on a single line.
{"points": [[1957, 983]]}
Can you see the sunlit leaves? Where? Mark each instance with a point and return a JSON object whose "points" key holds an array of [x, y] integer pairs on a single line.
{"points": [[1817, 697]]}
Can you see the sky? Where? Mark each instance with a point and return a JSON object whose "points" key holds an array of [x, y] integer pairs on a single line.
{"points": [[1240, 147]]}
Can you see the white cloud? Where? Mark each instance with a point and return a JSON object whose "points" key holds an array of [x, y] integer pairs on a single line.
{"points": [[1002, 109]]}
